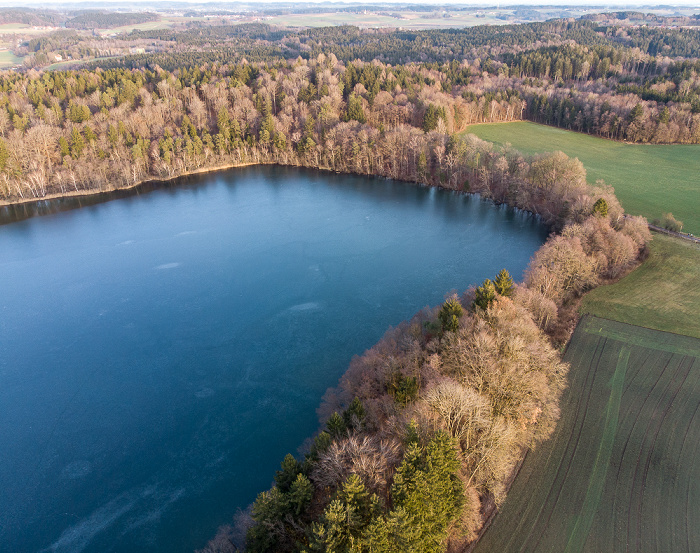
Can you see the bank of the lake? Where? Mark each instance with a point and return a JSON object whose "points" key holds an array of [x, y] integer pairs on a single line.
{"points": [[163, 352]]}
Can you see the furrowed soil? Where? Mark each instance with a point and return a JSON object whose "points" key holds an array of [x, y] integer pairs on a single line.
{"points": [[620, 472]]}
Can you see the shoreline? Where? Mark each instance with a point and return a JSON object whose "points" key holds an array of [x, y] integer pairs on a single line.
{"points": [[151, 181], [95, 193]]}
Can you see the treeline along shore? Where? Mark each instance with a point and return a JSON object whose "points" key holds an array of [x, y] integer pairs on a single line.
{"points": [[425, 428]]}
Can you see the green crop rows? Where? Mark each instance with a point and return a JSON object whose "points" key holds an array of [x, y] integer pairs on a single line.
{"points": [[620, 472]]}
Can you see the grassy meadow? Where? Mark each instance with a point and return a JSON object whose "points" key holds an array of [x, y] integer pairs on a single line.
{"points": [[648, 179], [8, 59], [664, 293], [620, 472], [21, 28]]}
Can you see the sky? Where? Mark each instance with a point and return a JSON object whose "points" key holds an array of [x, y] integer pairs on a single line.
{"points": [[153, 3]]}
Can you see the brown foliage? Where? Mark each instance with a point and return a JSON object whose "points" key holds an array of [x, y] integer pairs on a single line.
{"points": [[369, 457]]}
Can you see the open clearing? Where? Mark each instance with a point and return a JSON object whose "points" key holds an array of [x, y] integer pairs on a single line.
{"points": [[648, 179], [8, 59], [21, 28], [664, 293], [621, 472]]}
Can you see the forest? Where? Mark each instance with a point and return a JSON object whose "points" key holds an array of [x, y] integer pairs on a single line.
{"points": [[108, 20], [633, 83], [97, 129]]}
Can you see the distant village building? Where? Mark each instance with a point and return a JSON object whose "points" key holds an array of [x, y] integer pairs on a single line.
{"points": [[137, 50], [58, 57]]}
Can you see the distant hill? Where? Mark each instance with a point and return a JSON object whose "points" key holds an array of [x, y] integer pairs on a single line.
{"points": [[28, 16], [108, 20]]}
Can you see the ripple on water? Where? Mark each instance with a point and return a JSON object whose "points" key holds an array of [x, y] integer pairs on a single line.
{"points": [[204, 392], [310, 306], [77, 469]]}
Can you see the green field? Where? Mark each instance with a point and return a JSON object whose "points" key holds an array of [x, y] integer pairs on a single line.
{"points": [[68, 64], [620, 472], [664, 293], [21, 28], [649, 179], [8, 59]]}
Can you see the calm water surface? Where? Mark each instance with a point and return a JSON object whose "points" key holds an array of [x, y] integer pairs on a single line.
{"points": [[160, 353]]}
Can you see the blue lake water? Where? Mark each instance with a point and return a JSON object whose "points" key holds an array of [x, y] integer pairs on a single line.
{"points": [[160, 353]]}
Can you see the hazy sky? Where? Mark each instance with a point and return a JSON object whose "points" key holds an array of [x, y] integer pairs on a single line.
{"points": [[151, 3]]}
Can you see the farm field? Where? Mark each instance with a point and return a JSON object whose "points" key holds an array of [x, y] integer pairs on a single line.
{"points": [[21, 28], [664, 293], [162, 23], [8, 59], [70, 64], [620, 472], [648, 179]]}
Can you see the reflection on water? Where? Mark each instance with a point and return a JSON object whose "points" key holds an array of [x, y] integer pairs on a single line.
{"points": [[161, 353]]}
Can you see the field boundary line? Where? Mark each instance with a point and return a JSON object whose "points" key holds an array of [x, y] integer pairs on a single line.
{"points": [[596, 482], [650, 342], [578, 422], [681, 235]]}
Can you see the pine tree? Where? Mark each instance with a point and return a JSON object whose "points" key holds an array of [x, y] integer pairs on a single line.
{"points": [[4, 154], [63, 147], [504, 283], [290, 469], [354, 415], [485, 294], [300, 493], [336, 426], [600, 207], [449, 314], [77, 144], [355, 112], [223, 120], [427, 488]]}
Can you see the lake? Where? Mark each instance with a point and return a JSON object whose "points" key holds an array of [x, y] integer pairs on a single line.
{"points": [[160, 353]]}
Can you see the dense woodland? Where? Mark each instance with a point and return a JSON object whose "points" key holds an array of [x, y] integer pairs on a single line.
{"points": [[108, 20], [78, 131], [625, 82]]}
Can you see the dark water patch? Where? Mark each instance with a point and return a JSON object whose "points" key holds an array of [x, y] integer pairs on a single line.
{"points": [[161, 353]]}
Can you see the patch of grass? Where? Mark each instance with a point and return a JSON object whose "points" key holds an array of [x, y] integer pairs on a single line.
{"points": [[663, 294], [649, 180], [620, 471], [148, 26], [21, 28], [13, 27], [67, 64], [8, 59]]}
